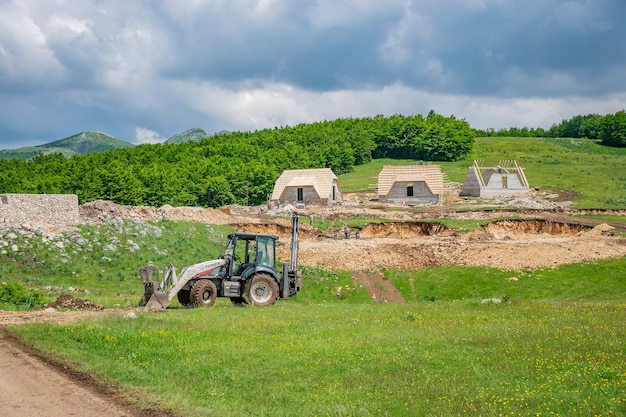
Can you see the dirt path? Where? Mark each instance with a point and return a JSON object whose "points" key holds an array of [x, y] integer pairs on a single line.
{"points": [[379, 287], [30, 387], [34, 386]]}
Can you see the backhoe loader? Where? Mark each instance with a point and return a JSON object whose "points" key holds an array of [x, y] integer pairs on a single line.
{"points": [[246, 273]]}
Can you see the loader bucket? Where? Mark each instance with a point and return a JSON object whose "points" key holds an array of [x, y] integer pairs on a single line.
{"points": [[154, 297]]}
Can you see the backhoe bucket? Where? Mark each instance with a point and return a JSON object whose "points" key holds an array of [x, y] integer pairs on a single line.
{"points": [[154, 296]]}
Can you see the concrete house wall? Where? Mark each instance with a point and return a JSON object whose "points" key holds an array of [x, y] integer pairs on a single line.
{"points": [[421, 193], [504, 180], [309, 195]]}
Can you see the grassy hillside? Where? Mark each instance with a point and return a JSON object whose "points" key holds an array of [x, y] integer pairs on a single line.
{"points": [[596, 173], [87, 142], [82, 144], [27, 152]]}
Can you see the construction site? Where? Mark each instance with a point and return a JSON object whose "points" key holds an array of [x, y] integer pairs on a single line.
{"points": [[520, 233]]}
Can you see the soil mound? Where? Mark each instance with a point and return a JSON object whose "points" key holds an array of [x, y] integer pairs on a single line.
{"points": [[67, 301], [101, 210]]}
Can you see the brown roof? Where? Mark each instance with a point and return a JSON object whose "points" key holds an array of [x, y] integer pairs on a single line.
{"points": [[430, 174], [319, 178]]}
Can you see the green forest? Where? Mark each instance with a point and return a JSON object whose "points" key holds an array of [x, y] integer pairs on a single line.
{"points": [[610, 129], [242, 167], [237, 167]]}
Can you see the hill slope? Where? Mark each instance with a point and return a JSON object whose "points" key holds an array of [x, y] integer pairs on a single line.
{"points": [[81, 143], [194, 134]]}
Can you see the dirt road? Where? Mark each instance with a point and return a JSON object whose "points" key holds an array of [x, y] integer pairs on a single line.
{"points": [[33, 386], [30, 388]]}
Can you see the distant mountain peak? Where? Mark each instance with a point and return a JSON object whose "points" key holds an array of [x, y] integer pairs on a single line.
{"points": [[193, 134], [81, 143]]}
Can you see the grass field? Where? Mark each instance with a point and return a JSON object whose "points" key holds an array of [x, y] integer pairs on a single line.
{"points": [[595, 172], [450, 358]]}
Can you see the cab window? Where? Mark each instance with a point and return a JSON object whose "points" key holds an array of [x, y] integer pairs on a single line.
{"points": [[266, 254]]}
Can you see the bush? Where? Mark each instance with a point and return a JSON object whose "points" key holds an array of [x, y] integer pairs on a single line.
{"points": [[20, 296]]}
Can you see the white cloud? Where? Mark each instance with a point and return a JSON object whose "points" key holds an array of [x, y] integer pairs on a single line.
{"points": [[250, 64], [25, 56], [269, 105], [143, 135]]}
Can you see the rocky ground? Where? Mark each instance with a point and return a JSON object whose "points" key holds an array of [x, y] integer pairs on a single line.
{"points": [[546, 235]]}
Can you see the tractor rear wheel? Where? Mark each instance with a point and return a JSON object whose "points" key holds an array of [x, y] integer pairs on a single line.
{"points": [[203, 293], [261, 290], [183, 298]]}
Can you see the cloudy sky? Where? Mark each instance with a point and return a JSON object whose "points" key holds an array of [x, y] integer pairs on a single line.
{"points": [[144, 70]]}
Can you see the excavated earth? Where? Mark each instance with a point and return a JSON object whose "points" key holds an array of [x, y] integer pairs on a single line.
{"points": [[544, 235]]}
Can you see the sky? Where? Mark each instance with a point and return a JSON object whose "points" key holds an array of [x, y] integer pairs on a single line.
{"points": [[145, 70]]}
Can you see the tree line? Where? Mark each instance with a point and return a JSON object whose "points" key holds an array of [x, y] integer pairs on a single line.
{"points": [[237, 167], [610, 129]]}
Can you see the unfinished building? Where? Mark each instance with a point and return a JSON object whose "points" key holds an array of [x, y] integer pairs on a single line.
{"points": [[505, 179], [410, 184], [316, 186]]}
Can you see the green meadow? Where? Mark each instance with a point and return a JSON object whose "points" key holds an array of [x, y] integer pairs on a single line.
{"points": [[472, 341], [448, 358], [596, 173]]}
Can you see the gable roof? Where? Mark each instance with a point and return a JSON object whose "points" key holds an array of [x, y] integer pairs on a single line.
{"points": [[319, 178], [430, 174]]}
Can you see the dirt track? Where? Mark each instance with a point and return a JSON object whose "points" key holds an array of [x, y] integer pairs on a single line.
{"points": [[35, 386], [30, 387]]}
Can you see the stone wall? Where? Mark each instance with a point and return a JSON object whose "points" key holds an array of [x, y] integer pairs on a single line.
{"points": [[39, 209]]}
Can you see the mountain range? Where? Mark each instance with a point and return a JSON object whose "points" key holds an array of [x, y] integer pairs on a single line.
{"points": [[88, 142]]}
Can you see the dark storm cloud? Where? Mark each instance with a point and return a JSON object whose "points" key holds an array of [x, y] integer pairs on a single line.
{"points": [[146, 70]]}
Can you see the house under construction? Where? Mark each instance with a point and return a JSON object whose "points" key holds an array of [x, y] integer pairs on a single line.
{"points": [[505, 179], [410, 184], [317, 186]]}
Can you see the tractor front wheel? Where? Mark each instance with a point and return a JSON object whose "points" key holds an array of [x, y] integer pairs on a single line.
{"points": [[261, 290], [203, 293], [183, 298]]}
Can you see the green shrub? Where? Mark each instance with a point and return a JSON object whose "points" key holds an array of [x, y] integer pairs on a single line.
{"points": [[20, 296]]}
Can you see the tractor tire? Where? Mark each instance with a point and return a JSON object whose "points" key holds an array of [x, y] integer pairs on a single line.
{"points": [[203, 293], [183, 298], [261, 290]]}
